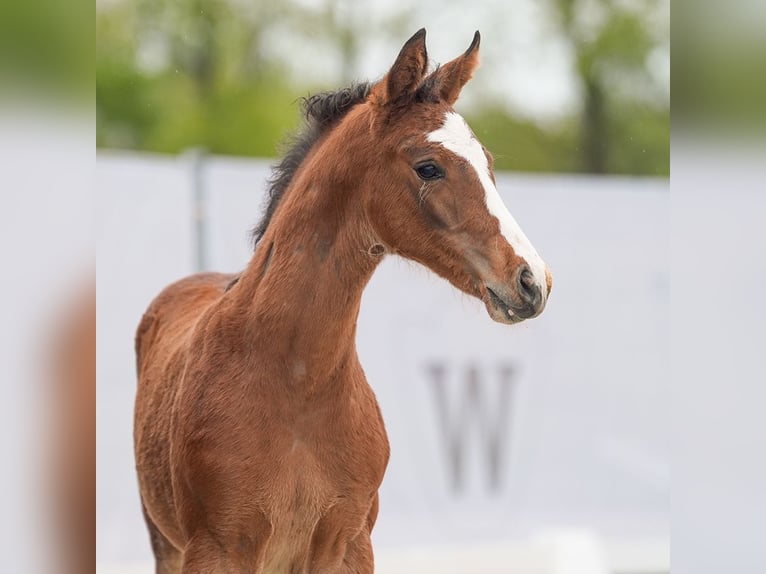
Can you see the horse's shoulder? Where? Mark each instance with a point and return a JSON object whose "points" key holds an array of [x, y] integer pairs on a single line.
{"points": [[177, 307]]}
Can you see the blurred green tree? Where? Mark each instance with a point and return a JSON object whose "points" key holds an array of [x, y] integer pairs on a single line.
{"points": [[46, 48], [174, 74], [347, 25], [612, 41]]}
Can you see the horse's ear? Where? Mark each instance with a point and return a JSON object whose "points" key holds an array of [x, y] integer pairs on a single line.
{"points": [[408, 71], [451, 77]]}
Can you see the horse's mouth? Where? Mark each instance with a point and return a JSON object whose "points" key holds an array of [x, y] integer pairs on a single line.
{"points": [[499, 309]]}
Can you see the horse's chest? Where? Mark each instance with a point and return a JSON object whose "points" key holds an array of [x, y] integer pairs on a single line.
{"points": [[317, 467], [334, 448], [310, 471], [322, 499]]}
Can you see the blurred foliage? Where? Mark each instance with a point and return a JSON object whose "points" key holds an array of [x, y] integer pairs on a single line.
{"points": [[620, 130], [720, 50], [46, 47], [174, 74], [639, 142]]}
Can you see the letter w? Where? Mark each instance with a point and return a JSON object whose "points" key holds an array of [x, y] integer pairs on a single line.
{"points": [[474, 409]]}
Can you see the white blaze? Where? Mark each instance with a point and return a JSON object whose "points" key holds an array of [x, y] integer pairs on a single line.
{"points": [[456, 136]]}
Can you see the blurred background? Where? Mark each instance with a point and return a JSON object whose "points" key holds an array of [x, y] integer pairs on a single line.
{"points": [[538, 449], [565, 85], [589, 422]]}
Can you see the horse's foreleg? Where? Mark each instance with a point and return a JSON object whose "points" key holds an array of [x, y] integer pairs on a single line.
{"points": [[337, 549], [242, 553], [205, 556], [359, 559], [166, 556]]}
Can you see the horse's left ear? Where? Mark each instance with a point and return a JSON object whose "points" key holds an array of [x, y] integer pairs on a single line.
{"points": [[452, 76]]}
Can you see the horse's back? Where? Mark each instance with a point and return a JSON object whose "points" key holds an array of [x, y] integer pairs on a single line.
{"points": [[161, 341]]}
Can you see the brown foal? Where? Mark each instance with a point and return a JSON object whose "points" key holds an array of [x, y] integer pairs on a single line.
{"points": [[259, 444]]}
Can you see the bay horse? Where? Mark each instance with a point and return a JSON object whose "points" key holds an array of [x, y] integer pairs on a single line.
{"points": [[259, 444]]}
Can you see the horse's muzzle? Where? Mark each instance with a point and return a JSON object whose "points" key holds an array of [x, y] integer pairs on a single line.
{"points": [[519, 299]]}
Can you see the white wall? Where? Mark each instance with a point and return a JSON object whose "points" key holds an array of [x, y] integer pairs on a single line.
{"points": [[584, 458]]}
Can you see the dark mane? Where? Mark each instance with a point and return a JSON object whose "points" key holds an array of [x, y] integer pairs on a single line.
{"points": [[321, 112]]}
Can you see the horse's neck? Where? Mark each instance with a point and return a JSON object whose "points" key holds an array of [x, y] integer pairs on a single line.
{"points": [[300, 295]]}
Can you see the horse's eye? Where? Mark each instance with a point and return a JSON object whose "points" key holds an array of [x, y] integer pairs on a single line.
{"points": [[428, 171]]}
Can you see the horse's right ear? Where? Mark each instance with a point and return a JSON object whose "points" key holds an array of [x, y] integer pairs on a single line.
{"points": [[405, 76]]}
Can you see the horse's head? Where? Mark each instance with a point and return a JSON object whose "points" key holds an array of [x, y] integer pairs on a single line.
{"points": [[434, 198]]}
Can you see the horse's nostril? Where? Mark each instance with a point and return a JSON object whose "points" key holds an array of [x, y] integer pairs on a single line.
{"points": [[528, 289], [527, 279]]}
